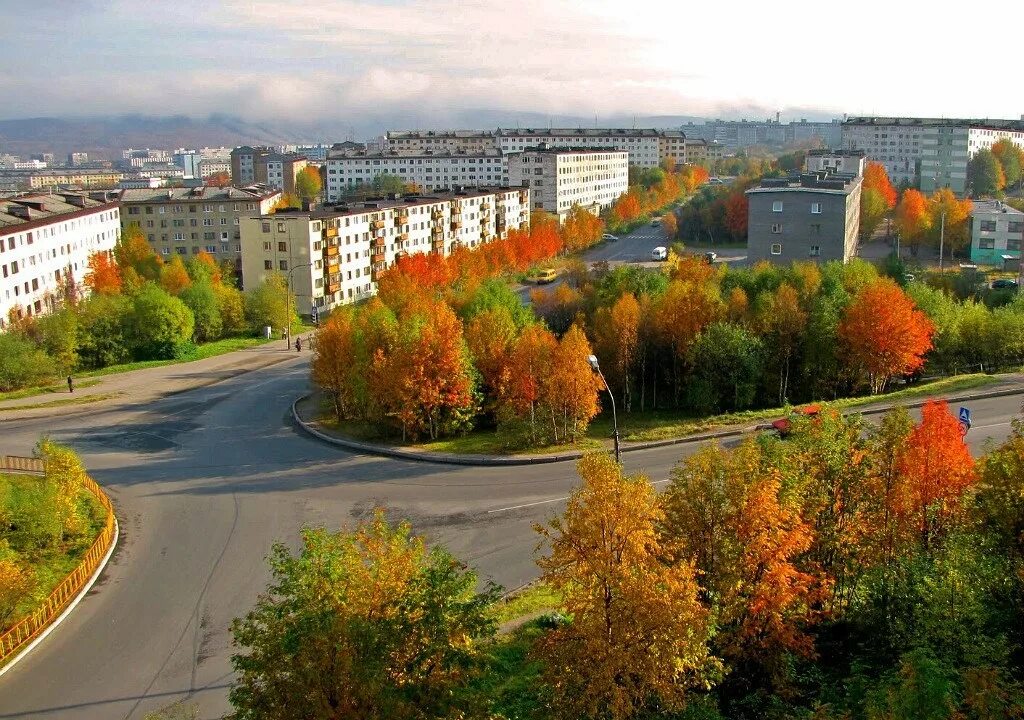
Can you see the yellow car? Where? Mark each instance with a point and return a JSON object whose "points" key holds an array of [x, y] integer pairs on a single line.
{"points": [[543, 277]]}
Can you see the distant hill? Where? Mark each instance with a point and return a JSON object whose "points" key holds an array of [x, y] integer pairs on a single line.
{"points": [[105, 137]]}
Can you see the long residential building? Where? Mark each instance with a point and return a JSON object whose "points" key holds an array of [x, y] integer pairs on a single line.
{"points": [[187, 221], [349, 170], [416, 142], [928, 153], [45, 244], [560, 178], [334, 255], [644, 146], [70, 177]]}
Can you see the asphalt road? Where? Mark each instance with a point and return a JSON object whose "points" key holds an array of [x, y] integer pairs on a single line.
{"points": [[206, 481]]}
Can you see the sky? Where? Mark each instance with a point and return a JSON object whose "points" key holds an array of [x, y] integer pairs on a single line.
{"points": [[280, 60]]}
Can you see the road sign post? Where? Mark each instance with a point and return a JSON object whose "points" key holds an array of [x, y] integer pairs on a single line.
{"points": [[965, 420]]}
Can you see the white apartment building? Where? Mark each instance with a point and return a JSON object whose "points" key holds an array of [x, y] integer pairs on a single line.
{"points": [[44, 241], [430, 171], [334, 256], [644, 146], [997, 231], [415, 142], [928, 153], [560, 178]]}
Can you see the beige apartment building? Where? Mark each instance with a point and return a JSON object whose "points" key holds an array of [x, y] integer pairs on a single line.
{"points": [[559, 178], [187, 221], [413, 142], [334, 255]]}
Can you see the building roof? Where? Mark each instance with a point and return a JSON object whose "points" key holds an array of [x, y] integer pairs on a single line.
{"points": [[443, 134], [379, 155], [993, 207], [817, 182], [375, 204], [203, 193], [544, 149], [43, 208], [581, 132], [825, 152], [986, 124]]}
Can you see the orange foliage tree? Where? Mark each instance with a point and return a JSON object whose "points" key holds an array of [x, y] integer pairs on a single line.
{"points": [[616, 339], [103, 277], [521, 397], [174, 277], [937, 468], [219, 179], [876, 178], [736, 213], [572, 387], [957, 220], [885, 334], [912, 218], [335, 361]]}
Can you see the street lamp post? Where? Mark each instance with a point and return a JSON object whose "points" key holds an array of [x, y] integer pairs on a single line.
{"points": [[942, 239], [592, 359], [288, 301]]}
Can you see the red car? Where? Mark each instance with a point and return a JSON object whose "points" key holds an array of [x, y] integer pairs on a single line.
{"points": [[783, 426]]}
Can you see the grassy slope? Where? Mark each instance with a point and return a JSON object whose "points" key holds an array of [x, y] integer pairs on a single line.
{"points": [[53, 565]]}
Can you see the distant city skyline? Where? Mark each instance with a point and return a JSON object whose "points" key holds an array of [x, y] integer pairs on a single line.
{"points": [[444, 59]]}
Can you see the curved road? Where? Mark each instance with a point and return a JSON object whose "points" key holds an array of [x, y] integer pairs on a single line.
{"points": [[205, 481]]}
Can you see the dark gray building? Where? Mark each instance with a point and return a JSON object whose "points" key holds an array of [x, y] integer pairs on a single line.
{"points": [[812, 216]]}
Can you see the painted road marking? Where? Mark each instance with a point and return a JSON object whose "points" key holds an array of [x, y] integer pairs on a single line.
{"points": [[545, 502]]}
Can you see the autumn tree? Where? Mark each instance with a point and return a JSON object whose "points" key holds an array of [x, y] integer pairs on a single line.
{"points": [[520, 403], [334, 366], [670, 225], [135, 258], [308, 184], [680, 314], [572, 387], [103, 276], [782, 322], [736, 214], [287, 201], [985, 175], [174, 277], [616, 337], [885, 335], [946, 210], [581, 229], [490, 337], [367, 624], [218, 179], [937, 468], [724, 514], [873, 209], [16, 583], [912, 219], [1011, 160], [638, 633], [876, 178]]}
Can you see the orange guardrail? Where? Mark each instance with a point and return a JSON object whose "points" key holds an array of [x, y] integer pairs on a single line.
{"points": [[13, 463], [29, 627]]}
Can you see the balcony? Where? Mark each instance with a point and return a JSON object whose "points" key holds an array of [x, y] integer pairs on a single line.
{"points": [[437, 215], [333, 261], [484, 236], [456, 223], [330, 251], [331, 232], [377, 224], [484, 206], [333, 288], [402, 237], [377, 257], [401, 220]]}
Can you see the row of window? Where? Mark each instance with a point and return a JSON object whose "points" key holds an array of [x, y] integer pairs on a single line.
{"points": [[815, 207], [812, 251]]}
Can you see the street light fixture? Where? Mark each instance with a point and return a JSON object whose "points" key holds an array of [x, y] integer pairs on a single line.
{"points": [[592, 359]]}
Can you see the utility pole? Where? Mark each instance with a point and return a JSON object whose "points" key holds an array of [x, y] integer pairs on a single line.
{"points": [[942, 238]]}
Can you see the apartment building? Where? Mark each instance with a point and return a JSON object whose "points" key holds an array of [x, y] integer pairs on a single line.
{"points": [[248, 164], [347, 171], [333, 256], [213, 166], [736, 134], [846, 162], [996, 233], [46, 240], [560, 178], [928, 153], [643, 146], [813, 216], [70, 177], [416, 142], [187, 221], [672, 147], [282, 169]]}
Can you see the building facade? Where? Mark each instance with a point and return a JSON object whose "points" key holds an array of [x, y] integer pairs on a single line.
{"points": [[643, 146], [249, 164], [845, 162], [45, 242], [559, 178], [187, 221], [347, 171], [996, 233], [334, 256], [76, 178], [815, 216], [282, 170], [417, 142]]}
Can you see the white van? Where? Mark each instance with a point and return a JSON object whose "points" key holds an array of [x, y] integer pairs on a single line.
{"points": [[659, 253]]}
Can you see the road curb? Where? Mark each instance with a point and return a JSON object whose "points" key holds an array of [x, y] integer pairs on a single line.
{"points": [[74, 603], [497, 460]]}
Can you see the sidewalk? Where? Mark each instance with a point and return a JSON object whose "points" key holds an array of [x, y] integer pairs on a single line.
{"points": [[150, 383]]}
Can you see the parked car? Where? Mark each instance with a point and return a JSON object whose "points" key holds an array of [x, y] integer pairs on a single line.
{"points": [[659, 253], [783, 426], [543, 277], [609, 237], [655, 222], [1004, 284], [710, 257]]}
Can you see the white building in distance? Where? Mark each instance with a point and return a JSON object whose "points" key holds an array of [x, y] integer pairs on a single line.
{"points": [[347, 171], [559, 178], [45, 241], [644, 146], [334, 255]]}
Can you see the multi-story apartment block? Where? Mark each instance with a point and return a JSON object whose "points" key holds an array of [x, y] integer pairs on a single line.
{"points": [[996, 233], [845, 162], [417, 142], [643, 146], [45, 241], [77, 178], [334, 255], [249, 164], [815, 216], [281, 170], [560, 178], [187, 221], [735, 134], [347, 171], [213, 166], [929, 153], [77, 158], [188, 160], [672, 147]]}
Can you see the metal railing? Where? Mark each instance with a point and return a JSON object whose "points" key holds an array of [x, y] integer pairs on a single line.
{"points": [[27, 629]]}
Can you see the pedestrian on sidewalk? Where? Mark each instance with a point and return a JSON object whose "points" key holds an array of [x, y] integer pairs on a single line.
{"points": [[71, 384], [298, 344]]}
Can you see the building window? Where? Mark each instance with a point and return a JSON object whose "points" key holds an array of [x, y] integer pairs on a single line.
{"points": [[988, 225], [1013, 245], [1016, 226], [282, 247], [776, 249], [777, 206], [986, 244], [816, 208], [815, 251], [266, 227], [283, 264], [815, 228], [268, 265], [280, 227], [776, 228]]}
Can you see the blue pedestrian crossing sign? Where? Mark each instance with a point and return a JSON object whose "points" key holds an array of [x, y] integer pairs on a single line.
{"points": [[965, 416]]}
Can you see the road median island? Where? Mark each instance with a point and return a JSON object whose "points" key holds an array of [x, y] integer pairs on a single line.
{"points": [[33, 626], [305, 411]]}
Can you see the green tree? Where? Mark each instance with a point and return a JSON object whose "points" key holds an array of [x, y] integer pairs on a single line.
{"points": [[984, 174], [102, 320], [59, 334], [872, 210], [269, 304], [158, 324], [22, 364], [231, 308], [201, 298], [362, 624], [1010, 158], [726, 361]]}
